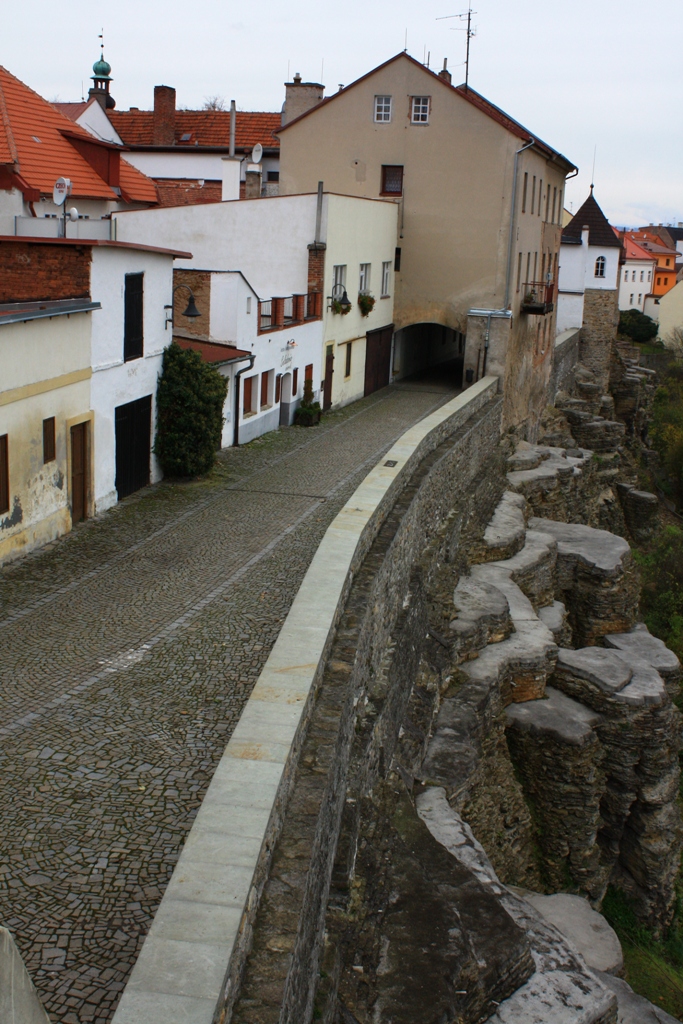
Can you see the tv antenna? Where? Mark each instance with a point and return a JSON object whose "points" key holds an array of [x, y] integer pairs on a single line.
{"points": [[471, 32]]}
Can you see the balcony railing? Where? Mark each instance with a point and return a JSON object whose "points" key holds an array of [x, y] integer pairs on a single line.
{"points": [[538, 297], [288, 311]]}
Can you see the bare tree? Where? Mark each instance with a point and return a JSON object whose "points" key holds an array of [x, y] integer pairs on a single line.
{"points": [[214, 103], [674, 341]]}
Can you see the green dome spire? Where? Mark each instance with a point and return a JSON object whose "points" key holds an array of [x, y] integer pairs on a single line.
{"points": [[101, 69]]}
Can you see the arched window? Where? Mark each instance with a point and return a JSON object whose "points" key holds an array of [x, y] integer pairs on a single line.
{"points": [[600, 266]]}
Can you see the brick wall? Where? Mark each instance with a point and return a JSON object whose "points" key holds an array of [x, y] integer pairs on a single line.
{"points": [[599, 331], [164, 115], [33, 271], [200, 283], [316, 266]]}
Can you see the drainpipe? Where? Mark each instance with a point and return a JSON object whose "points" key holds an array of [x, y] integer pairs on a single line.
{"points": [[513, 207], [233, 116], [236, 432], [319, 212], [487, 335]]}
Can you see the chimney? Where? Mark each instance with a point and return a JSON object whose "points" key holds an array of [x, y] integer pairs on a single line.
{"points": [[445, 73], [300, 97], [164, 115]]}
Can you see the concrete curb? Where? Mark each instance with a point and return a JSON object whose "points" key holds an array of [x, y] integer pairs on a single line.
{"points": [[194, 952]]}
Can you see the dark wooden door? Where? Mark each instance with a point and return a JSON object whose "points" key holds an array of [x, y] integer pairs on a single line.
{"points": [[329, 370], [133, 445], [79, 472], [378, 358]]}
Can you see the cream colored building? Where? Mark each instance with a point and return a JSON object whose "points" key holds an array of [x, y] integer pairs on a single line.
{"points": [[480, 209], [45, 421], [671, 318]]}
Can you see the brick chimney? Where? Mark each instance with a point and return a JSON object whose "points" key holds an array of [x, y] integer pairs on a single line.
{"points": [[445, 73], [164, 115], [300, 97]]}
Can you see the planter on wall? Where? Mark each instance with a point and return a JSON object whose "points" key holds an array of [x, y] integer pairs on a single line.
{"points": [[307, 417]]}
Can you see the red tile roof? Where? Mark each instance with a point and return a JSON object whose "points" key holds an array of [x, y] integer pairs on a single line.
{"points": [[34, 143], [208, 128], [633, 251], [186, 192], [211, 351], [72, 110]]}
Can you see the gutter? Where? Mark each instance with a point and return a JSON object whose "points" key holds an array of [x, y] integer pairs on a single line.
{"points": [[236, 432]]}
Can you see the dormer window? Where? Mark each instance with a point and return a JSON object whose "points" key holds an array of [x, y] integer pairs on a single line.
{"points": [[419, 113], [600, 266], [382, 109]]}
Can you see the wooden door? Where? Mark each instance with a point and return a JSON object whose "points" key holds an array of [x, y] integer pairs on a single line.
{"points": [[79, 472], [378, 358], [329, 370], [133, 445]]}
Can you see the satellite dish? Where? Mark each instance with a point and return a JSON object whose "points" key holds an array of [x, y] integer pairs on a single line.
{"points": [[61, 190], [257, 153], [73, 213]]}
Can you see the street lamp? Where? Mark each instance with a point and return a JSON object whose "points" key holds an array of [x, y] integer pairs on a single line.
{"points": [[190, 311]]}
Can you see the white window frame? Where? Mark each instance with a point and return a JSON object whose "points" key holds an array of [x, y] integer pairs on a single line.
{"points": [[364, 278], [383, 109], [630, 299], [338, 276], [626, 277], [419, 109], [600, 266], [386, 279]]}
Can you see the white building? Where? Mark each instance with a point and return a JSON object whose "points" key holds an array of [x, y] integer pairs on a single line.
{"points": [[589, 261], [636, 276], [290, 252]]}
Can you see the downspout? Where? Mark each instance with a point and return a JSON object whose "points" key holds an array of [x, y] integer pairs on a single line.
{"points": [[319, 213], [233, 116], [513, 207], [236, 431], [487, 335]]}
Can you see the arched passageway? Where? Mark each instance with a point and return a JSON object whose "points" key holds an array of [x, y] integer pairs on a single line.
{"points": [[429, 351]]}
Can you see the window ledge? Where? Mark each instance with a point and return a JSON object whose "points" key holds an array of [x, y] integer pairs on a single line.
{"points": [[385, 296], [248, 415]]}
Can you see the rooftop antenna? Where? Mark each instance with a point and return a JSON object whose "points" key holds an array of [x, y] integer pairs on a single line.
{"points": [[405, 45], [595, 150], [471, 32]]}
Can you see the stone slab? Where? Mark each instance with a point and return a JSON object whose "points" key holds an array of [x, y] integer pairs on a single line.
{"points": [[605, 669], [583, 927], [597, 547], [634, 1009], [557, 716]]}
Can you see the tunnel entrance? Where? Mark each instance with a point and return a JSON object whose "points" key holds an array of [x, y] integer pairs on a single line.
{"points": [[429, 352]]}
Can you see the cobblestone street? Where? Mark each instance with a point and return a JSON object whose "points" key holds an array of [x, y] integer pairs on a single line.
{"points": [[128, 651]]}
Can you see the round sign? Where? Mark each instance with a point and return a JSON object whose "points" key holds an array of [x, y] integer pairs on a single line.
{"points": [[61, 190], [257, 153]]}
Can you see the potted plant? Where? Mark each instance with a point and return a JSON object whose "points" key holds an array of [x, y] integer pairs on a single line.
{"points": [[341, 306], [366, 302], [308, 413]]}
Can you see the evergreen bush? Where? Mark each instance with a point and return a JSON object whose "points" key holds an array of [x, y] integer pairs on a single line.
{"points": [[190, 398], [637, 326]]}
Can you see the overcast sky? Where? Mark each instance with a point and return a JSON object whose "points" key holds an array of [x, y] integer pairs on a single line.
{"points": [[578, 74]]}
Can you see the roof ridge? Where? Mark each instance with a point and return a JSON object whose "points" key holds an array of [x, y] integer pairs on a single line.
{"points": [[11, 145]]}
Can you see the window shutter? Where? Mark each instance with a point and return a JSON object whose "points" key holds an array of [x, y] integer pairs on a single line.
{"points": [[132, 325]]}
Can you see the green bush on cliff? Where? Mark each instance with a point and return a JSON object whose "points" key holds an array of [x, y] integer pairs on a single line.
{"points": [[190, 398], [666, 429], [661, 601], [637, 326]]}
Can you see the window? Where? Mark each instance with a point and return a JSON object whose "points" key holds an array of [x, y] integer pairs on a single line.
{"points": [[49, 439], [659, 280], [649, 275], [547, 205], [392, 180], [338, 280], [626, 277], [526, 185], [559, 207], [347, 368], [397, 259], [633, 276], [554, 203], [132, 317], [519, 270], [642, 275], [600, 267], [533, 194], [278, 387], [273, 176], [264, 388], [248, 303], [630, 299], [364, 279], [666, 281], [640, 298], [540, 195], [668, 262], [295, 382], [420, 110], [386, 278], [382, 109], [4, 474], [248, 395]]}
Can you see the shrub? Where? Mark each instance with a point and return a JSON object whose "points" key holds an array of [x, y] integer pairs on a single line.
{"points": [[666, 428], [637, 326], [366, 303], [661, 600], [190, 398]]}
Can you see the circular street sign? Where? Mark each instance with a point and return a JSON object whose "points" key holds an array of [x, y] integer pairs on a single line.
{"points": [[61, 190]]}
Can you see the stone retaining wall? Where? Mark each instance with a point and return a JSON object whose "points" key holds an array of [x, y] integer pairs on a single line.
{"points": [[193, 957], [565, 358]]}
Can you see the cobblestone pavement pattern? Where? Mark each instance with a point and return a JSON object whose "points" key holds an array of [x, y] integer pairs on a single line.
{"points": [[128, 651]]}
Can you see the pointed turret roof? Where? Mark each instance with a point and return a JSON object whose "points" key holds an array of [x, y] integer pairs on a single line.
{"points": [[599, 231]]}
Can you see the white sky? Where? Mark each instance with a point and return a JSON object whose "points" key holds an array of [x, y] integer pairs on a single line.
{"points": [[580, 74]]}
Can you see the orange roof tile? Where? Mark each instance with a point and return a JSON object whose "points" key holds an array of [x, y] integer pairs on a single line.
{"points": [[633, 251], [205, 127], [33, 139]]}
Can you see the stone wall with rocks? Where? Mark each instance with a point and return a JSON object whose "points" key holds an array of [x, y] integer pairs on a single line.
{"points": [[598, 332]]}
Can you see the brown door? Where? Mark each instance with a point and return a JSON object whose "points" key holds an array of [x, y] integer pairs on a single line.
{"points": [[329, 370], [79, 472], [378, 358]]}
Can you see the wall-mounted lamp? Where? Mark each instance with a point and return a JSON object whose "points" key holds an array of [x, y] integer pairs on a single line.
{"points": [[190, 311]]}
